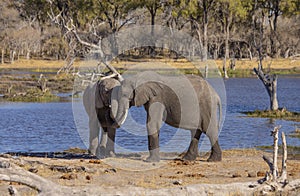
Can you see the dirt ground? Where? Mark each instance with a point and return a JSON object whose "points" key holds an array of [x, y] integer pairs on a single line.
{"points": [[245, 165]]}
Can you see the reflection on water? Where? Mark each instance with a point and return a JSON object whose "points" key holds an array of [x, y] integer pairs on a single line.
{"points": [[51, 126]]}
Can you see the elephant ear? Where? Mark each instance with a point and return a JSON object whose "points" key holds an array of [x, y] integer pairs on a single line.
{"points": [[98, 100], [146, 91]]}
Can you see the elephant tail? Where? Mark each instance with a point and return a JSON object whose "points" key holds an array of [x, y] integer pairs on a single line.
{"points": [[220, 113]]}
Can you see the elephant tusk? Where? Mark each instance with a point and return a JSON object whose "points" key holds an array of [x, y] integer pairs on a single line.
{"points": [[124, 118]]}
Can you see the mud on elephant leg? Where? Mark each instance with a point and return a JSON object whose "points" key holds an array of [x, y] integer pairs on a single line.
{"points": [[192, 152], [216, 153]]}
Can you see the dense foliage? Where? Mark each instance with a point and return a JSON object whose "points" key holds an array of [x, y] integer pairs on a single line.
{"points": [[56, 29]]}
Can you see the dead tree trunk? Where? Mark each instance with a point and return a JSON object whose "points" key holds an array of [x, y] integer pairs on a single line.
{"points": [[2, 56], [224, 68], [273, 178], [270, 83], [12, 173], [42, 83], [275, 153], [269, 80], [12, 56]]}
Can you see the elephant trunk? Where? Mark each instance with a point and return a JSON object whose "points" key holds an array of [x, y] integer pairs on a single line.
{"points": [[119, 112]]}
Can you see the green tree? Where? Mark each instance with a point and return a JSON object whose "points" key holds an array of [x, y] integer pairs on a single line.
{"points": [[34, 13], [272, 10], [9, 23], [152, 6], [230, 12], [198, 13]]}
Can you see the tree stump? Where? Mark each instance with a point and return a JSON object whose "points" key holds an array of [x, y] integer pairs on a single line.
{"points": [[42, 83]]}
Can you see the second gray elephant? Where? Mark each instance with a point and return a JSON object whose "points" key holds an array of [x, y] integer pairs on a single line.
{"points": [[186, 102], [96, 101]]}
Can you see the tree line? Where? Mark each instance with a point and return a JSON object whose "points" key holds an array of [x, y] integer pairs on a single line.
{"points": [[65, 29]]}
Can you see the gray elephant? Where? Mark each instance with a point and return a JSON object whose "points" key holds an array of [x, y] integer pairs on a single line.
{"points": [[96, 101], [186, 102]]}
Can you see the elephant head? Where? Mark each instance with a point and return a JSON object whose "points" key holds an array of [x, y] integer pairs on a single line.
{"points": [[103, 92], [103, 99], [134, 91]]}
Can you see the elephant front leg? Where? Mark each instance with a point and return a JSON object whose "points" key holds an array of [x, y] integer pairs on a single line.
{"points": [[94, 135], [154, 122], [101, 149], [110, 146], [153, 146], [106, 148]]}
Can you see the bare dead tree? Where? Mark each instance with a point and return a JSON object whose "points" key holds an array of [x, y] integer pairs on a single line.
{"points": [[272, 177], [270, 83], [104, 20], [88, 78], [73, 37], [268, 80]]}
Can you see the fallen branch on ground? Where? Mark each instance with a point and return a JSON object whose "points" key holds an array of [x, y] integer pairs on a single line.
{"points": [[274, 181]]}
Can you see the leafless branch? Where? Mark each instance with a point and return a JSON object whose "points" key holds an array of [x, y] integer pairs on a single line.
{"points": [[272, 177]]}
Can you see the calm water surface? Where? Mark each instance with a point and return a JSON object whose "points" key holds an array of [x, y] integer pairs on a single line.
{"points": [[56, 126]]}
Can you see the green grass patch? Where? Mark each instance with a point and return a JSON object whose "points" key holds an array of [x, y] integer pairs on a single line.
{"points": [[33, 95], [76, 150], [296, 133], [276, 114], [246, 73], [162, 71], [240, 73], [292, 151]]}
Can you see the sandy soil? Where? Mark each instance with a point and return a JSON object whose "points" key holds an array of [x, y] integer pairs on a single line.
{"points": [[244, 165]]}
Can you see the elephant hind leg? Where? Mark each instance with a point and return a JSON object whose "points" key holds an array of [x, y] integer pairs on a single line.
{"points": [[192, 152], [212, 134], [216, 153]]}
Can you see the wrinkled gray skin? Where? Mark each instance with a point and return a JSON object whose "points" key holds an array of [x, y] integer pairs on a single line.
{"points": [[96, 101], [186, 102]]}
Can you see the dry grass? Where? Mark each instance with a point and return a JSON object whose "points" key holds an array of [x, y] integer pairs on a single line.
{"points": [[180, 63], [34, 64], [268, 63]]}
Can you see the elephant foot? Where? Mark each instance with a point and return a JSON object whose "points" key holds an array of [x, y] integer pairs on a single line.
{"points": [[152, 159], [214, 158], [100, 153], [216, 153], [154, 156], [192, 152], [110, 154], [92, 151], [190, 157]]}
